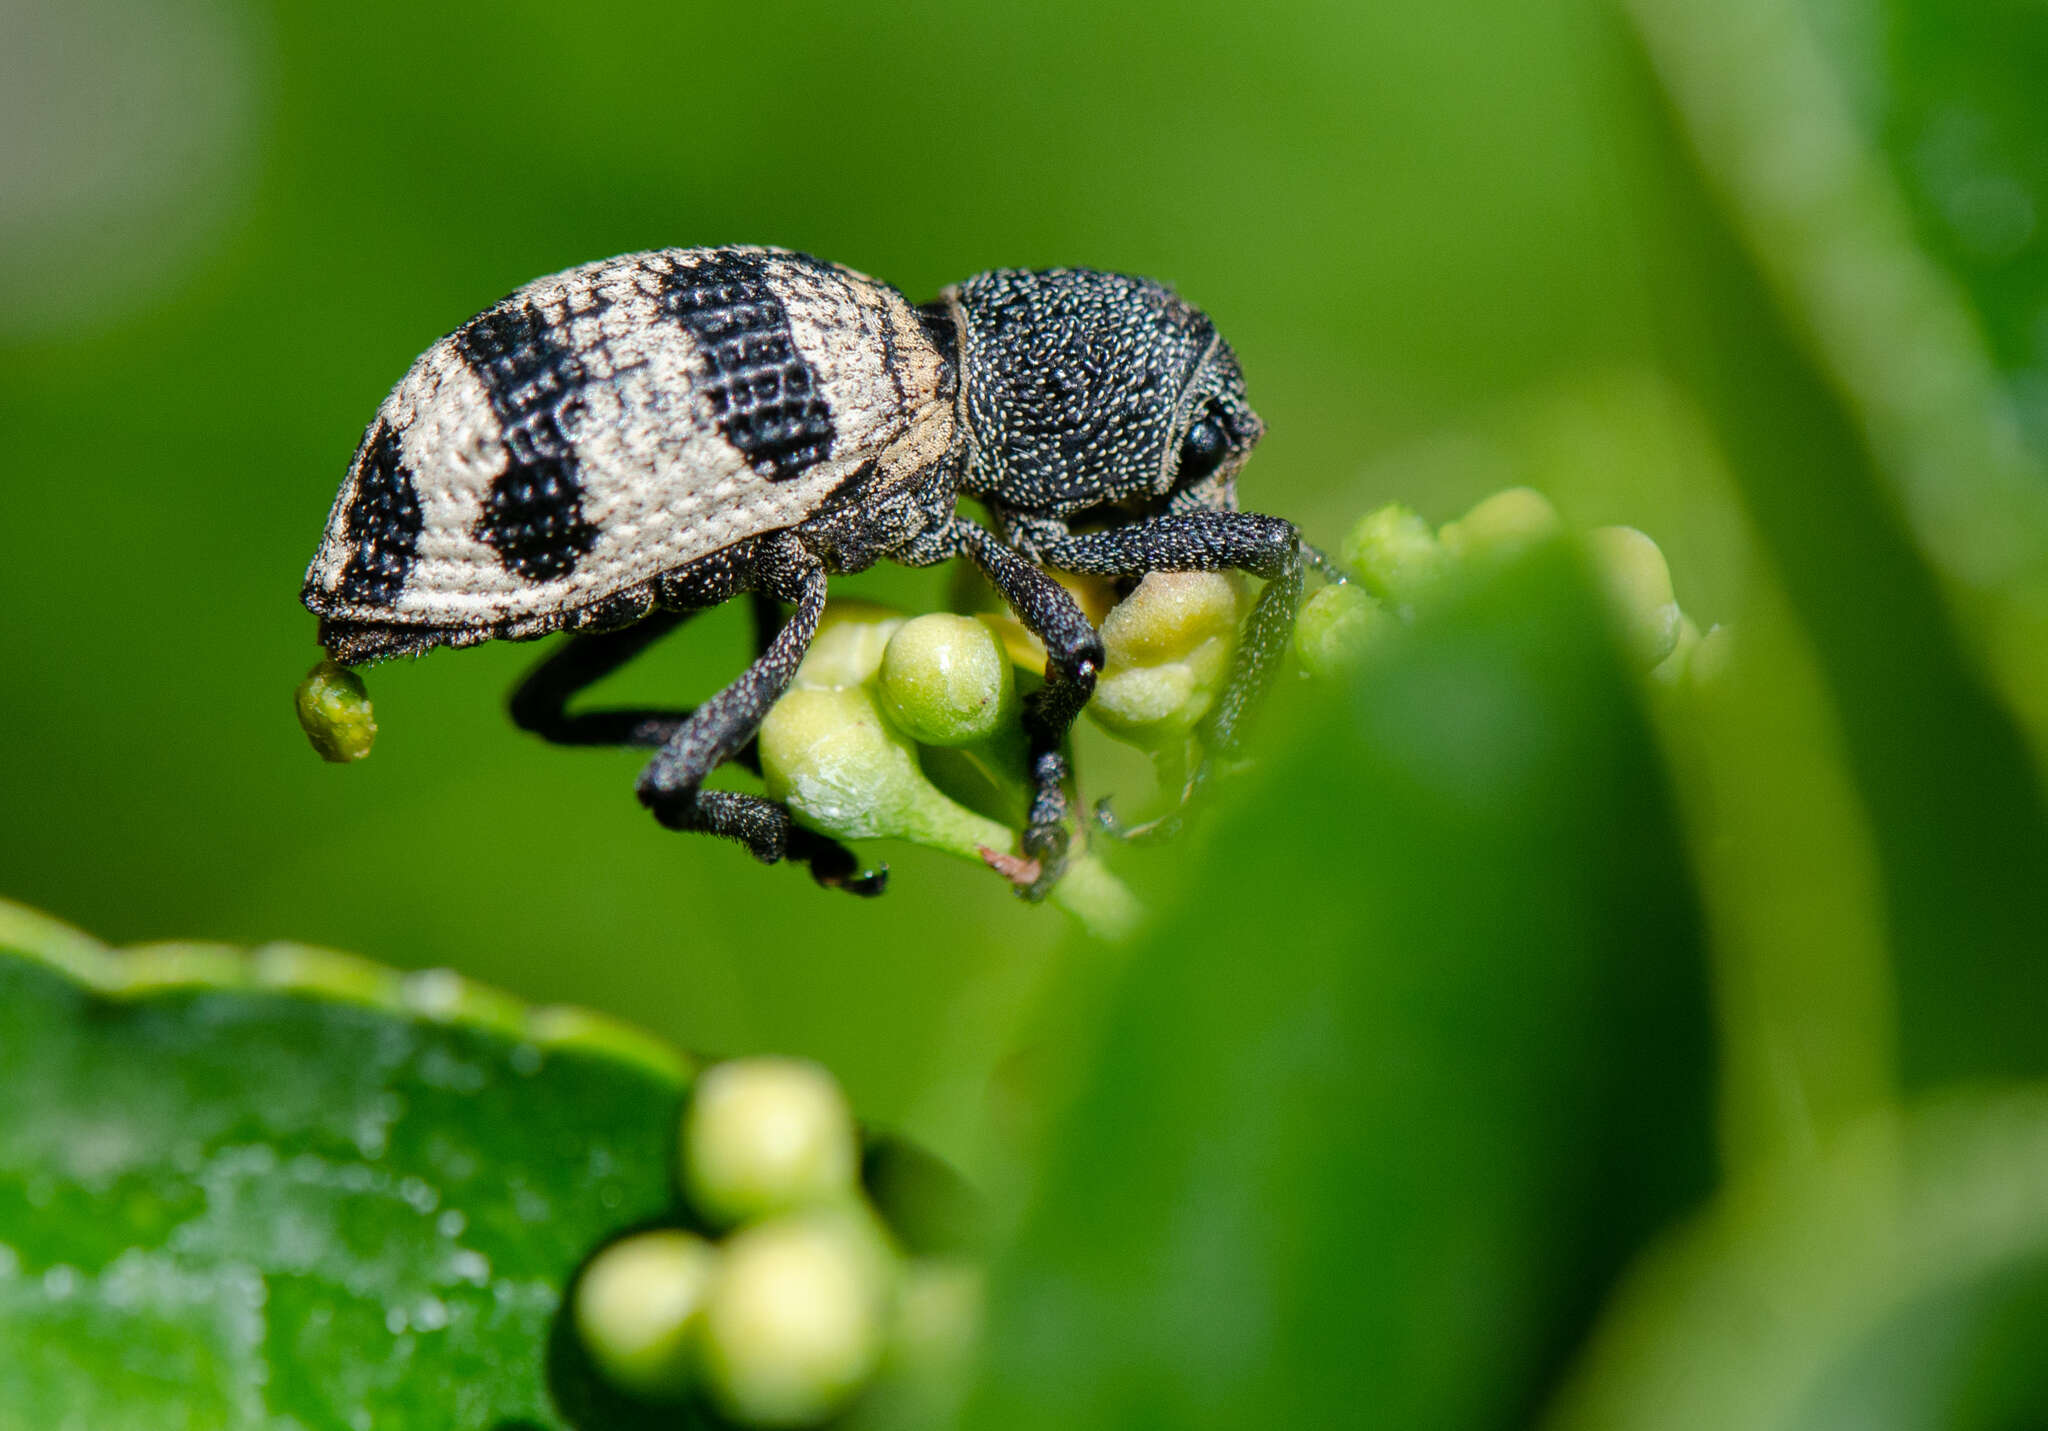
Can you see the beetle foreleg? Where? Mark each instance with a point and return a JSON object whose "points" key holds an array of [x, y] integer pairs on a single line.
{"points": [[1072, 662], [1266, 547]]}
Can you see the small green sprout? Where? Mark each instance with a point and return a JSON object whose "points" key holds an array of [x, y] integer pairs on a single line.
{"points": [[334, 710], [1337, 626], [847, 651], [1711, 659], [795, 1323], [1398, 560], [766, 1135], [1503, 526], [947, 681], [1637, 583], [1167, 649], [1397, 556], [639, 1311], [1671, 671]]}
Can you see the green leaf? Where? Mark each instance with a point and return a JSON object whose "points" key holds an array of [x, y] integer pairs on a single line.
{"points": [[1897, 1281], [293, 1188], [1418, 1064], [1874, 447]]}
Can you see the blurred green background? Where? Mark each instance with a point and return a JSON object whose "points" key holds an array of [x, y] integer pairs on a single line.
{"points": [[1766, 279], [239, 225]]}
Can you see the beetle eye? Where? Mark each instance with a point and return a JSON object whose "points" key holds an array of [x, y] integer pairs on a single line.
{"points": [[1202, 450]]}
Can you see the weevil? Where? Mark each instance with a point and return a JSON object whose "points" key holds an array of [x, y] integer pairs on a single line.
{"points": [[608, 450]]}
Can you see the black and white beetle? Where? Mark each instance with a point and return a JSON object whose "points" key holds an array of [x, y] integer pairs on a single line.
{"points": [[611, 449]]}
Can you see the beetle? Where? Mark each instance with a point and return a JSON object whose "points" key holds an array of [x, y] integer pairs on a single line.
{"points": [[610, 449]]}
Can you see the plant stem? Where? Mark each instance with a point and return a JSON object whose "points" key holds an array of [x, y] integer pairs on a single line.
{"points": [[1102, 903]]}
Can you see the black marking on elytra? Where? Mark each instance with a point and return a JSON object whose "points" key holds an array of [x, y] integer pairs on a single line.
{"points": [[850, 489], [763, 395], [533, 514], [383, 524]]}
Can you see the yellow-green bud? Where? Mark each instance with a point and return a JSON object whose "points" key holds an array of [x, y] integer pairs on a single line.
{"points": [[1505, 525], [639, 1311], [764, 1136], [1637, 583], [1712, 659], [1671, 670], [1168, 647], [794, 1326], [1337, 626], [947, 681], [844, 769], [334, 710], [847, 651], [1396, 555]]}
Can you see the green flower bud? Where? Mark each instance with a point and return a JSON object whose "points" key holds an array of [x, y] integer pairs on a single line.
{"points": [[1168, 647], [764, 1136], [1712, 659], [1637, 584], [844, 769], [1503, 526], [1337, 626], [1670, 671], [947, 681], [847, 651], [334, 710], [793, 1329], [1396, 555], [1094, 595], [639, 1311]]}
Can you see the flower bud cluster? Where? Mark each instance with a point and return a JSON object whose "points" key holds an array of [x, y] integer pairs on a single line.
{"points": [[790, 1298], [911, 729], [1402, 566], [842, 746]]}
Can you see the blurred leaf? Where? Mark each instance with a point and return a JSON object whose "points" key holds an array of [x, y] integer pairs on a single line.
{"points": [[1794, 901], [1397, 1091], [1897, 517], [1952, 95], [292, 1189], [1898, 1283], [1831, 230]]}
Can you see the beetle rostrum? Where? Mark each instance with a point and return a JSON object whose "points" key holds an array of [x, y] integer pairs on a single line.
{"points": [[610, 449]]}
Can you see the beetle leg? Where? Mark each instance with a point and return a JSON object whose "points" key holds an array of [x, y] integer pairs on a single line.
{"points": [[672, 784], [1073, 660], [1266, 547], [540, 702], [540, 705]]}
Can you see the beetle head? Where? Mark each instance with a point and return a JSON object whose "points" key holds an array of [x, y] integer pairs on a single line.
{"points": [[1082, 389]]}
